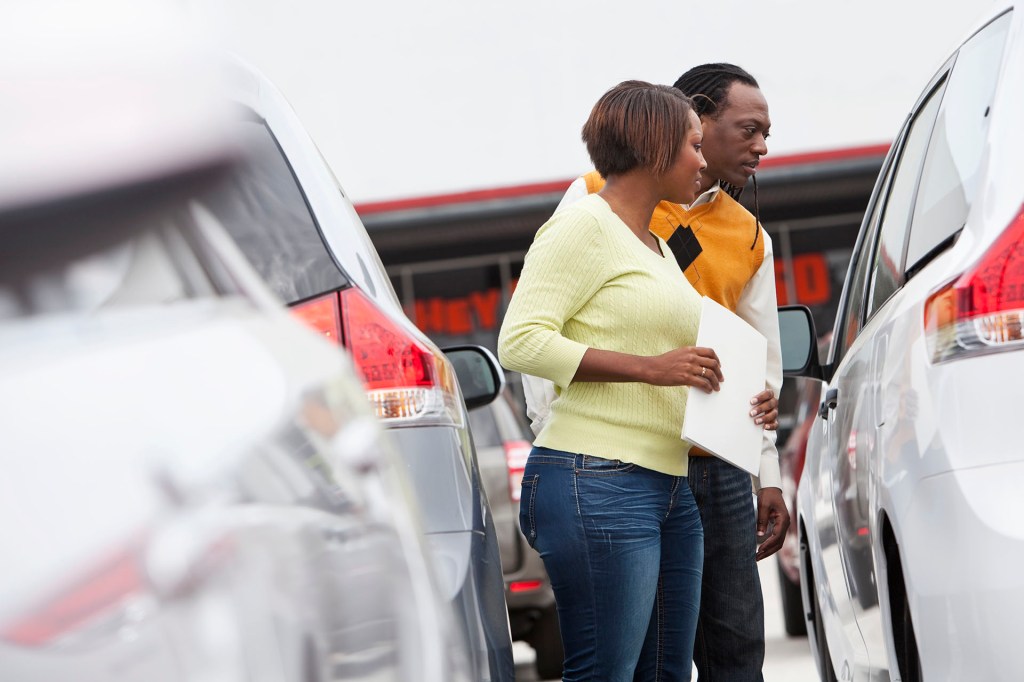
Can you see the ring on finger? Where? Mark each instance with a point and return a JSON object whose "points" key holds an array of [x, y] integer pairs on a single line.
{"points": [[703, 371]]}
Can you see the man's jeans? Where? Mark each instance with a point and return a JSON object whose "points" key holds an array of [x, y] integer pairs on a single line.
{"points": [[730, 632], [623, 548]]}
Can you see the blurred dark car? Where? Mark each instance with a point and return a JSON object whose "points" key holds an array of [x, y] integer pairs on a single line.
{"points": [[791, 465], [504, 440], [293, 222]]}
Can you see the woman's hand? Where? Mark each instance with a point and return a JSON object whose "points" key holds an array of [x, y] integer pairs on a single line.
{"points": [[765, 410], [688, 366]]}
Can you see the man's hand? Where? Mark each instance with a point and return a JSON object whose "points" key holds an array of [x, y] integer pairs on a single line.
{"points": [[765, 409], [771, 509]]}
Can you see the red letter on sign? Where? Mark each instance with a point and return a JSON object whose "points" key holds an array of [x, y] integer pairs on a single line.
{"points": [[485, 305]]}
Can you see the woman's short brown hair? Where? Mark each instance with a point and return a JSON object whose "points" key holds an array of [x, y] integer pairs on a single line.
{"points": [[637, 125]]}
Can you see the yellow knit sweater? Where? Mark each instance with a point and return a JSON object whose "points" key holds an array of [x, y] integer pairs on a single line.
{"points": [[589, 282]]}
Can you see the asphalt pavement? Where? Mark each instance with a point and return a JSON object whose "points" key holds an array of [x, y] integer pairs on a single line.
{"points": [[787, 659]]}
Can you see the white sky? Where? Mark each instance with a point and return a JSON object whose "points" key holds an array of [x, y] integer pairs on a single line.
{"points": [[410, 98]]}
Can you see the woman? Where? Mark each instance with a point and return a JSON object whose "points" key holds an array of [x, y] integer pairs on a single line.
{"points": [[602, 309]]}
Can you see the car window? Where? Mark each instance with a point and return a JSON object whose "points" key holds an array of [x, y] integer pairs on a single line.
{"points": [[886, 262], [265, 212], [129, 259], [949, 181], [851, 314]]}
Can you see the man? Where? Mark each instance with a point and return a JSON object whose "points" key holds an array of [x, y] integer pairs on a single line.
{"points": [[727, 256]]}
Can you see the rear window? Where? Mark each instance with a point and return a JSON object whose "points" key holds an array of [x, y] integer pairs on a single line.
{"points": [[892, 232], [266, 213], [949, 181], [100, 255]]}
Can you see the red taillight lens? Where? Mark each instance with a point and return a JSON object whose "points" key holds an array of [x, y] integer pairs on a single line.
{"points": [[104, 590], [168, 563], [405, 378], [983, 310], [516, 454], [384, 352], [323, 315]]}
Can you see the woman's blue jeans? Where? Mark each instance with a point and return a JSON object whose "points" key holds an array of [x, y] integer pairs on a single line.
{"points": [[624, 548]]}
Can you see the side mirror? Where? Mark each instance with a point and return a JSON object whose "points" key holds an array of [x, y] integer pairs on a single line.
{"points": [[799, 344], [480, 376]]}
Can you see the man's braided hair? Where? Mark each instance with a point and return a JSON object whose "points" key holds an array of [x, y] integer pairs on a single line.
{"points": [[708, 85]]}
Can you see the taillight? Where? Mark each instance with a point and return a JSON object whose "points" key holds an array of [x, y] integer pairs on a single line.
{"points": [[405, 378], [516, 453], [982, 311], [104, 590], [323, 315], [524, 586], [166, 564]]}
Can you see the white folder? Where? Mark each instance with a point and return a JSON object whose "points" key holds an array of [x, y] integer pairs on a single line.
{"points": [[720, 422]]}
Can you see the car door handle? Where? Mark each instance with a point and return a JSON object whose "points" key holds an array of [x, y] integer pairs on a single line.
{"points": [[831, 399]]}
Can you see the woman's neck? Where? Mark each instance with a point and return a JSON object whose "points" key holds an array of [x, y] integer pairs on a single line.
{"points": [[633, 199]]}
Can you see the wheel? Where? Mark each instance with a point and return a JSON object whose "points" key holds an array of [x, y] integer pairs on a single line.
{"points": [[825, 669], [907, 657], [904, 640], [910, 661], [547, 642], [792, 606]]}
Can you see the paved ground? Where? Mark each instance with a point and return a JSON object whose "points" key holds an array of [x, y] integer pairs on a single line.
{"points": [[787, 660]]}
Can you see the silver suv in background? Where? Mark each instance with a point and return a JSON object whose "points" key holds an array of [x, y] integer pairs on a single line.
{"points": [[909, 504], [293, 222]]}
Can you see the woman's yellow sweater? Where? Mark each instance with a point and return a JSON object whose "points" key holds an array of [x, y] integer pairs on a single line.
{"points": [[725, 230], [589, 282]]}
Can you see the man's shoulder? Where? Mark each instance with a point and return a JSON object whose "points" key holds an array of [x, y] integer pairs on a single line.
{"points": [[724, 203]]}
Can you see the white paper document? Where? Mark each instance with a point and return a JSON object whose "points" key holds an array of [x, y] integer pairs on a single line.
{"points": [[720, 422]]}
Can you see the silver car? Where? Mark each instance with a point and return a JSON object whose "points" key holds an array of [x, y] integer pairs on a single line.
{"points": [[909, 501], [194, 487], [293, 222]]}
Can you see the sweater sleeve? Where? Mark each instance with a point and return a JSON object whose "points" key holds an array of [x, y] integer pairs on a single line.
{"points": [[563, 269], [758, 305]]}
